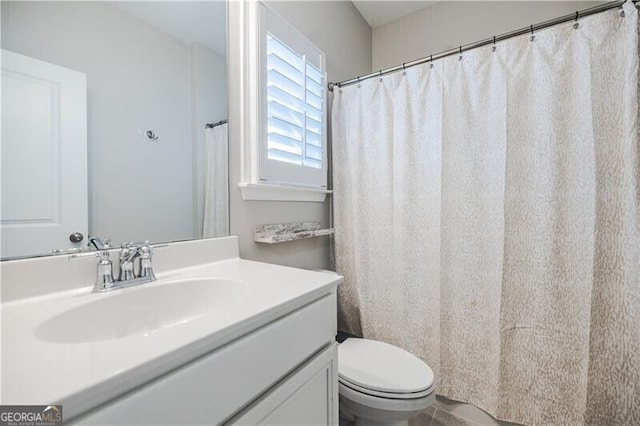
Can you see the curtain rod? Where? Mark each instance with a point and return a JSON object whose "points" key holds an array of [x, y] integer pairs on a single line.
{"points": [[217, 123], [493, 40]]}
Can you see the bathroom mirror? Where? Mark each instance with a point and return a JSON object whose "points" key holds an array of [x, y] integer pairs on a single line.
{"points": [[113, 124]]}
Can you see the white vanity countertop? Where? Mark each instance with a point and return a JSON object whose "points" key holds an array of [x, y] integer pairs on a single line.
{"points": [[81, 376]]}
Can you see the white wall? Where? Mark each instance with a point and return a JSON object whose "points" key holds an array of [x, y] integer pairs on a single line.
{"points": [[449, 24], [339, 30], [138, 78]]}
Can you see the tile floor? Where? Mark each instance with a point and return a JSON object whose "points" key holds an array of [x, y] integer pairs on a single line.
{"points": [[433, 416]]}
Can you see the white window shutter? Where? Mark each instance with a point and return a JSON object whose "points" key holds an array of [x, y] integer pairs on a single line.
{"points": [[294, 141]]}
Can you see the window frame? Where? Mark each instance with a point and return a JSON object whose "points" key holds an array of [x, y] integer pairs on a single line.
{"points": [[275, 172]]}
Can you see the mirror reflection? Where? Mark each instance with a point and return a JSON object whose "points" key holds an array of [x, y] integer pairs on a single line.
{"points": [[113, 124]]}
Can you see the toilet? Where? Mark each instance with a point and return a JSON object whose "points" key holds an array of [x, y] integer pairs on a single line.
{"points": [[381, 384]]}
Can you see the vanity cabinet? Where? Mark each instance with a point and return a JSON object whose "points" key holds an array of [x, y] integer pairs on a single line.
{"points": [[283, 372]]}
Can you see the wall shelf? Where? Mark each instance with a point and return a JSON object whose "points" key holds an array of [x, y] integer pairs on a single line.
{"points": [[282, 232]]}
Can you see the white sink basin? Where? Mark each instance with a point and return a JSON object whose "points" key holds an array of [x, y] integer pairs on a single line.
{"points": [[141, 310]]}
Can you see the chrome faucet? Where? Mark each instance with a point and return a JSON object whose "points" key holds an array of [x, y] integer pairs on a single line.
{"points": [[130, 254]]}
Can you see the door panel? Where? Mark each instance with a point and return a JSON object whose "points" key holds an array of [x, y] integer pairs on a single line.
{"points": [[44, 156]]}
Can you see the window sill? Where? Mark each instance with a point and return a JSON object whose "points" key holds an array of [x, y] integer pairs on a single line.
{"points": [[265, 192]]}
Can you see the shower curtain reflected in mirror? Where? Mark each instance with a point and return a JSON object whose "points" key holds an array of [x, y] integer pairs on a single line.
{"points": [[486, 215], [216, 195]]}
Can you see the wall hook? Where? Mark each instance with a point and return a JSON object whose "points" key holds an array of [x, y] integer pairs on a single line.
{"points": [[151, 135]]}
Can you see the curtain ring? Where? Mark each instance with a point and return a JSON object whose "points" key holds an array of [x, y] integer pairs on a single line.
{"points": [[460, 53], [622, 14], [494, 47], [577, 24], [533, 37], [431, 62]]}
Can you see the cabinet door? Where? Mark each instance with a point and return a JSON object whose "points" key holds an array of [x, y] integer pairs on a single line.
{"points": [[309, 396]]}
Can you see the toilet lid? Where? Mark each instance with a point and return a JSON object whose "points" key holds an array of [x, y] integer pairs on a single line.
{"points": [[381, 367]]}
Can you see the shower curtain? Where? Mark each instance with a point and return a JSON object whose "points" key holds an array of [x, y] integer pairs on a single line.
{"points": [[486, 215], [216, 186]]}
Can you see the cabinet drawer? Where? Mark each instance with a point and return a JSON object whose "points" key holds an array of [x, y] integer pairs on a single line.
{"points": [[218, 385], [309, 396]]}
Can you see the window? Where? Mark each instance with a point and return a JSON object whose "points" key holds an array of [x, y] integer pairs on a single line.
{"points": [[293, 135], [278, 108]]}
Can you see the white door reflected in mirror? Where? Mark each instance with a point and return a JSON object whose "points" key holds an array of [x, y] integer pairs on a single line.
{"points": [[44, 156]]}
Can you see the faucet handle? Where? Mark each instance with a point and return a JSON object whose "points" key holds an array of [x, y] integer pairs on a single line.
{"points": [[104, 256], [145, 251], [146, 266], [104, 278]]}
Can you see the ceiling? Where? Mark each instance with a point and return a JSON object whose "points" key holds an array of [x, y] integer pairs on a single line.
{"points": [[380, 12], [203, 22]]}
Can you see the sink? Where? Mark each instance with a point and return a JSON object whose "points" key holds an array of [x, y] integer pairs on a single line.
{"points": [[142, 310]]}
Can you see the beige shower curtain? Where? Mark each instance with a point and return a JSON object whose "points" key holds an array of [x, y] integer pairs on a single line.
{"points": [[486, 214]]}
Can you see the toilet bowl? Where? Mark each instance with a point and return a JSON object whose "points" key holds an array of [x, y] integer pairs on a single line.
{"points": [[381, 384]]}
